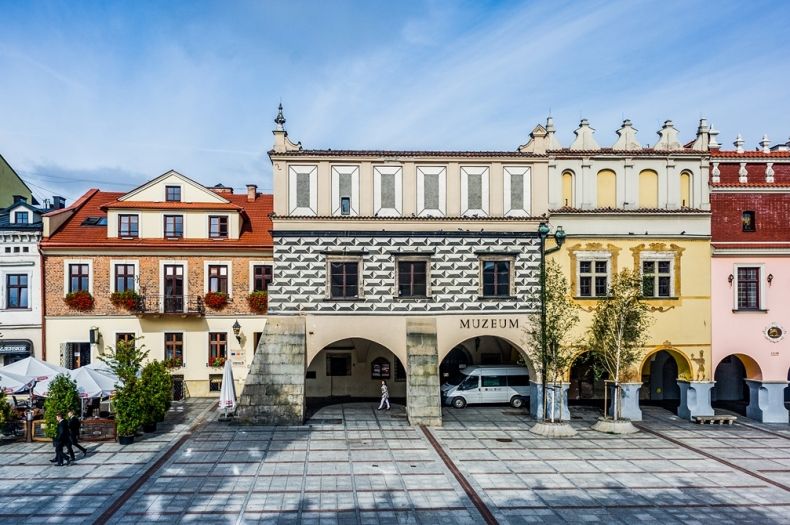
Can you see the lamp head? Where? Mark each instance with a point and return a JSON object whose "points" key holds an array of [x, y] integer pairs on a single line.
{"points": [[559, 236], [236, 329], [543, 230]]}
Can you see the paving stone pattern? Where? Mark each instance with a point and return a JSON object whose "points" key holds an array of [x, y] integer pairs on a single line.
{"points": [[353, 464]]}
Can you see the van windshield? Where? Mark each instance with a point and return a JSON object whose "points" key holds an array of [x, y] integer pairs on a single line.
{"points": [[471, 382]]}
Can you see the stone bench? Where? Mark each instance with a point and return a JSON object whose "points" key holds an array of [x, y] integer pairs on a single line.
{"points": [[720, 419]]}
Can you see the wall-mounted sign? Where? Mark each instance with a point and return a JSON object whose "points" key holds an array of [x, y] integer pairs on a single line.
{"points": [[16, 347], [488, 323], [774, 332], [380, 369]]}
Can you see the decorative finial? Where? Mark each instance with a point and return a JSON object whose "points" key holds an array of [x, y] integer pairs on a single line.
{"points": [[280, 118], [738, 144], [713, 134], [765, 144]]}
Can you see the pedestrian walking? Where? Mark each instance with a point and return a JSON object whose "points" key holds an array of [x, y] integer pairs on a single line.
{"points": [[74, 434], [385, 396], [60, 440]]}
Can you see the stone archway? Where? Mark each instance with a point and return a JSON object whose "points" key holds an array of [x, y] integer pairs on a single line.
{"points": [[660, 371], [731, 390], [586, 378]]}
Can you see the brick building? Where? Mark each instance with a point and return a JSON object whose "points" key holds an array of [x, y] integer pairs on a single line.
{"points": [[158, 263], [750, 275]]}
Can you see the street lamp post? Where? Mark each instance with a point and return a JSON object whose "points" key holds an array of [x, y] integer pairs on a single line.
{"points": [[559, 238]]}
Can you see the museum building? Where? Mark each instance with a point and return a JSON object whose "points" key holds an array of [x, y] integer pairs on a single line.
{"points": [[404, 266]]}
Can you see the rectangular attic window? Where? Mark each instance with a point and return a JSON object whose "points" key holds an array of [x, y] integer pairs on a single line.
{"points": [[94, 221]]}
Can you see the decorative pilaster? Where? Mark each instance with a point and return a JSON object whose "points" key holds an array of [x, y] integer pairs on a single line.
{"points": [[423, 391]]}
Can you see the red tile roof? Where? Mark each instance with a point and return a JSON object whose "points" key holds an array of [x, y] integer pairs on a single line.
{"points": [[759, 154], [255, 232]]}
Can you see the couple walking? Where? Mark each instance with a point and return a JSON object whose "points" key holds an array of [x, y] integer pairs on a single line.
{"points": [[66, 435]]}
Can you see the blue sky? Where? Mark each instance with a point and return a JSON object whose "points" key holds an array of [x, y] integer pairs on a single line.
{"points": [[110, 94]]}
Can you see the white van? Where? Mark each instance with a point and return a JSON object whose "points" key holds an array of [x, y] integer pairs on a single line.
{"points": [[489, 384]]}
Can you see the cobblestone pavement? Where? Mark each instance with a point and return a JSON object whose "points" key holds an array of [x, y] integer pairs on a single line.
{"points": [[353, 464]]}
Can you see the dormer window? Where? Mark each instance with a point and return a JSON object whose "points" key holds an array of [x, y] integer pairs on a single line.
{"points": [[173, 193], [218, 227], [128, 226], [21, 217]]}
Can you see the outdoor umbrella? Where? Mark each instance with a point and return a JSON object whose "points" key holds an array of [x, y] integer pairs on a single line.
{"points": [[227, 395], [34, 368], [100, 366], [90, 383], [13, 384]]}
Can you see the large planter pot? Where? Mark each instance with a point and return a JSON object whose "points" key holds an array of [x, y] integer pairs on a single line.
{"points": [[149, 427], [125, 440]]}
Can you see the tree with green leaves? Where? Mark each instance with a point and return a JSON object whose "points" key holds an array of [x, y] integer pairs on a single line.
{"points": [[551, 340], [619, 328], [126, 362], [157, 387], [7, 414], [62, 397]]}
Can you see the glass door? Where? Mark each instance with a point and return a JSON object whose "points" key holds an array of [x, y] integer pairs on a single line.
{"points": [[174, 288]]}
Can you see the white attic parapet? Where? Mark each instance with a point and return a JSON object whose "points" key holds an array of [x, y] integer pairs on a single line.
{"points": [[668, 138], [551, 135], [765, 144], [541, 139], [713, 143], [738, 143], [703, 140], [282, 143], [584, 140], [626, 138]]}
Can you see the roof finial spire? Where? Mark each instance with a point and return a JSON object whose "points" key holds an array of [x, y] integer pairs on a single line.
{"points": [[280, 118]]}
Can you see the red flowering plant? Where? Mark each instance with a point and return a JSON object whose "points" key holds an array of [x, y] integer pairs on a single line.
{"points": [[217, 362], [81, 300], [173, 362], [216, 300], [128, 299], [258, 301]]}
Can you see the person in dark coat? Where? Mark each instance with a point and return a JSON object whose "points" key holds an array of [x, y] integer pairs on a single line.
{"points": [[61, 440], [74, 434]]}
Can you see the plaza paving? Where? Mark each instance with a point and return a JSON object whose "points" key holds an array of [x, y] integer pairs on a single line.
{"points": [[353, 464]]}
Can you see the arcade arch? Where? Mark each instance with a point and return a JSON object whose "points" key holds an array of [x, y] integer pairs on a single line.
{"points": [[483, 350], [352, 370], [660, 371], [731, 390], [586, 377]]}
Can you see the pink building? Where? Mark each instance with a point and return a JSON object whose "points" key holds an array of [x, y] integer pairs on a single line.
{"points": [[750, 203]]}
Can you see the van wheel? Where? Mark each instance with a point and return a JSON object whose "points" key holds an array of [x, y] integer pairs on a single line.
{"points": [[459, 402], [517, 401]]}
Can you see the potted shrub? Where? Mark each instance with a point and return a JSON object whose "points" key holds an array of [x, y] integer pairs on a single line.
{"points": [[157, 387], [258, 301], [7, 415], [217, 362], [62, 397], [128, 299], [216, 300], [81, 301], [126, 360]]}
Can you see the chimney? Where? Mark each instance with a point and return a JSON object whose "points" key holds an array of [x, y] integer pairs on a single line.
{"points": [[221, 188], [252, 192], [19, 198], [58, 202]]}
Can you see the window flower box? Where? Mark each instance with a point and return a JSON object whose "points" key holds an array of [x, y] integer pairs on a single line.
{"points": [[258, 301], [128, 300], [217, 362], [216, 300], [173, 362], [81, 301]]}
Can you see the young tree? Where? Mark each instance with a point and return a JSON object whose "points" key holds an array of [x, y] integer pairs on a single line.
{"points": [[619, 327], [62, 397], [552, 344], [7, 414], [157, 388], [126, 361]]}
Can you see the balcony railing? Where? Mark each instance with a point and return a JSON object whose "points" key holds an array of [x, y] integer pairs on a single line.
{"points": [[171, 305]]}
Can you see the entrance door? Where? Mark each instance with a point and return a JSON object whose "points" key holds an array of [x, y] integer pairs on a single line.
{"points": [[494, 389], [80, 355], [174, 288], [178, 387]]}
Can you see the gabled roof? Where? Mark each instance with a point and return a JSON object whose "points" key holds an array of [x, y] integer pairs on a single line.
{"points": [[5, 217], [255, 231], [215, 197]]}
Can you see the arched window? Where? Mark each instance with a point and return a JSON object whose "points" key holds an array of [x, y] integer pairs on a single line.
{"points": [[648, 189], [380, 368], [685, 190], [567, 189], [607, 189]]}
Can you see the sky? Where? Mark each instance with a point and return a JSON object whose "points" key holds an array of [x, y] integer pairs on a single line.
{"points": [[112, 94]]}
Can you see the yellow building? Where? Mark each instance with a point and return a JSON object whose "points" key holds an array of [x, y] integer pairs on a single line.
{"points": [[646, 209]]}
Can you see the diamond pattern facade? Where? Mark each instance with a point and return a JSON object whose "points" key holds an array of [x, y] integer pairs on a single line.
{"points": [[300, 259]]}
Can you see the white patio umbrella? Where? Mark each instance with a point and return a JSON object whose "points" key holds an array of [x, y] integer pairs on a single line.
{"points": [[90, 383], [100, 366], [13, 384], [227, 394], [35, 368]]}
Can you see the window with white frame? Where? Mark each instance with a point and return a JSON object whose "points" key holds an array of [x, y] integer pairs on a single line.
{"points": [[387, 191], [431, 191], [593, 276], [345, 190], [658, 275], [474, 191], [518, 182], [302, 190], [748, 288]]}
